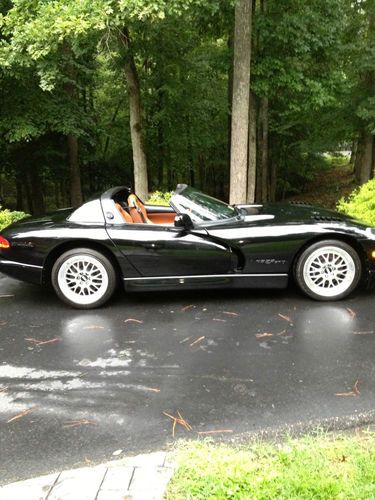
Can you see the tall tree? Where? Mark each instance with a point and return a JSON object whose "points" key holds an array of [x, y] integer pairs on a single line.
{"points": [[240, 102], [42, 42], [136, 128], [70, 87], [317, 82], [252, 157], [365, 157], [263, 129]]}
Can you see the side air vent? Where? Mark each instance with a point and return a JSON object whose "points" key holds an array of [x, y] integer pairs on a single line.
{"points": [[326, 218], [301, 203]]}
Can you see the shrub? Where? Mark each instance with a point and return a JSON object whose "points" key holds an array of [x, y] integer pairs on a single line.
{"points": [[7, 217], [361, 203], [160, 198]]}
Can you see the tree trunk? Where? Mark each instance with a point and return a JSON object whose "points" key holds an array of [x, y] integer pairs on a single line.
{"points": [[263, 124], [29, 196], [252, 161], [170, 177], [263, 116], [37, 199], [202, 173], [273, 180], [57, 194], [1, 190], [136, 130], [230, 94], [113, 119], [258, 184], [240, 102], [363, 167], [75, 174], [161, 155], [367, 158], [364, 164], [70, 88], [353, 152], [20, 203], [189, 152]]}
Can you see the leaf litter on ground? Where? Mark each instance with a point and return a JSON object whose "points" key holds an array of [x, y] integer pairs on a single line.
{"points": [[197, 341], [354, 392], [285, 317], [43, 342], [20, 415], [79, 423], [186, 308], [352, 313]]}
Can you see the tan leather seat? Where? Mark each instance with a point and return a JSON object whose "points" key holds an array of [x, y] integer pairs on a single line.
{"points": [[127, 217], [137, 210]]}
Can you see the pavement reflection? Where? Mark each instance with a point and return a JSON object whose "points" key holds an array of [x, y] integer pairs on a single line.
{"points": [[92, 382]]}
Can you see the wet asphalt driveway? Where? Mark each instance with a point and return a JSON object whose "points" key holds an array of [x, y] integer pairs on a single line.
{"points": [[76, 386]]}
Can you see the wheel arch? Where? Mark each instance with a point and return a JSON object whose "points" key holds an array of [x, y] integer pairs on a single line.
{"points": [[55, 253], [350, 240]]}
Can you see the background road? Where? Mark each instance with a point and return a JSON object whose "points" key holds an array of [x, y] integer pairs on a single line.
{"points": [[75, 386]]}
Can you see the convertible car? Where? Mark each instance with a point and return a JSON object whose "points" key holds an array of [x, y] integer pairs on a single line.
{"points": [[198, 242]]}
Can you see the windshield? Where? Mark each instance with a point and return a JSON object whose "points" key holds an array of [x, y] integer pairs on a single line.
{"points": [[199, 206]]}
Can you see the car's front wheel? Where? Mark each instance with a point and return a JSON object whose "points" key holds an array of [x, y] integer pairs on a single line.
{"points": [[328, 270], [83, 278]]}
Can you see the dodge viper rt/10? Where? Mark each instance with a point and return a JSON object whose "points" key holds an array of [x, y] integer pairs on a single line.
{"points": [[198, 242]]}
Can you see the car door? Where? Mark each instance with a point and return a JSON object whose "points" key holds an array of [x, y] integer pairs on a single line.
{"points": [[263, 247], [161, 251]]}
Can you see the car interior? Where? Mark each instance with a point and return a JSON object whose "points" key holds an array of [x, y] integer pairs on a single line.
{"points": [[134, 211]]}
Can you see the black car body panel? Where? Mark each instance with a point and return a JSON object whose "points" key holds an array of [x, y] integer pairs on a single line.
{"points": [[257, 247]]}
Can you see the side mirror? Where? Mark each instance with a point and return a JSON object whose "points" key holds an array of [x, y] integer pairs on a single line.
{"points": [[183, 221]]}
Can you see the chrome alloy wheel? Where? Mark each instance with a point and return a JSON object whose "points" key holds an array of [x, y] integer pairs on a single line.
{"points": [[83, 279], [329, 271]]}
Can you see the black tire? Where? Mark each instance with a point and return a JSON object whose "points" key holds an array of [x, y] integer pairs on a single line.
{"points": [[83, 278], [314, 270]]}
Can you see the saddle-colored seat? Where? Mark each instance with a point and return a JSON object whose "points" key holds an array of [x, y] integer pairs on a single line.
{"points": [[137, 210], [126, 216]]}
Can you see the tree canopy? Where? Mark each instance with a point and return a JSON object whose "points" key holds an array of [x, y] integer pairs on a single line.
{"points": [[102, 92]]}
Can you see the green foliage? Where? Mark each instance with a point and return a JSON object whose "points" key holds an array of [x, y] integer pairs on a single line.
{"points": [[8, 217], [301, 67], [62, 72], [311, 467], [68, 59], [361, 203], [361, 62], [185, 129], [160, 198]]}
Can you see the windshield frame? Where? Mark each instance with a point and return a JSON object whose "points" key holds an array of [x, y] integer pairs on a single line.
{"points": [[180, 195]]}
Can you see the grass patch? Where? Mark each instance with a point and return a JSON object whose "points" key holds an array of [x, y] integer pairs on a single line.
{"points": [[323, 467]]}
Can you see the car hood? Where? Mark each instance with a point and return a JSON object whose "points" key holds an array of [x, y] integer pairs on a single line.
{"points": [[305, 213]]}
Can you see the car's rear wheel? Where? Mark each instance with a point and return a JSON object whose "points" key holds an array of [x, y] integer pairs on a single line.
{"points": [[83, 278], [328, 270]]}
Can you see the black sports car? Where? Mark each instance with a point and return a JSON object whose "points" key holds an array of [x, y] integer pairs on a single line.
{"points": [[196, 243]]}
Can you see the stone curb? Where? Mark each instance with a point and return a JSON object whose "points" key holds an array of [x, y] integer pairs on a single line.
{"points": [[143, 477]]}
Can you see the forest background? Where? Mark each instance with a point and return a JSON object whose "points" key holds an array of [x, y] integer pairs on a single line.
{"points": [[244, 100]]}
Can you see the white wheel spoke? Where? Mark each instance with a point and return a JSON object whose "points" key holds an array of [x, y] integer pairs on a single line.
{"points": [[329, 271], [83, 279]]}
